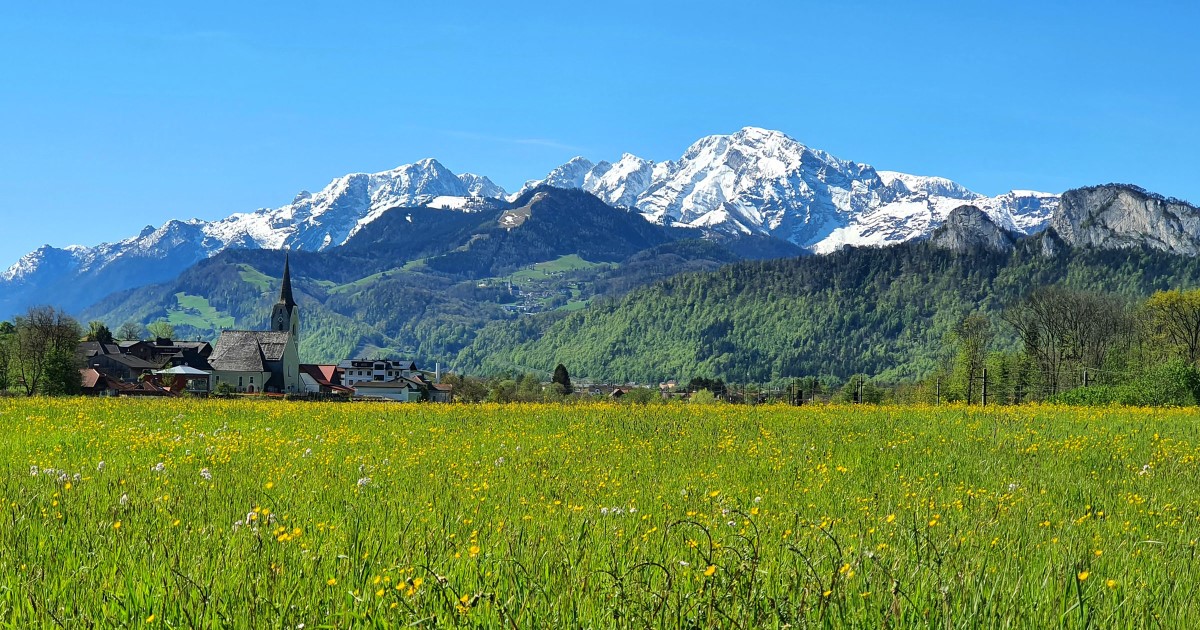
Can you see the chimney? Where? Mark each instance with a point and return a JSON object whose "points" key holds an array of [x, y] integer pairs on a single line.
{"points": [[437, 372]]}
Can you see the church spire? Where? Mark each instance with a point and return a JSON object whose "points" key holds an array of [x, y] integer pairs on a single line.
{"points": [[285, 292]]}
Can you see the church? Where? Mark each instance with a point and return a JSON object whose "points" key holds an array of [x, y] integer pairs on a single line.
{"points": [[254, 361]]}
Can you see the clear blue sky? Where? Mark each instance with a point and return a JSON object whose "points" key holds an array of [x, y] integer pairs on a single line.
{"points": [[117, 115]]}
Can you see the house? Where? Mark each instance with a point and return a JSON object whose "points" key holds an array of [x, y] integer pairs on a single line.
{"points": [[355, 371], [109, 359], [322, 379], [97, 383], [391, 379], [254, 361], [170, 353], [398, 390]]}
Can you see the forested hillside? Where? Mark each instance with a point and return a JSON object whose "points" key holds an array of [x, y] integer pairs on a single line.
{"points": [[886, 311]]}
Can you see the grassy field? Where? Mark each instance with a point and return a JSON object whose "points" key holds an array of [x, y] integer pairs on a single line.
{"points": [[195, 311], [271, 515]]}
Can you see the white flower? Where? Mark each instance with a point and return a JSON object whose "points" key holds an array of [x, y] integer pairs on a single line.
{"points": [[604, 511], [63, 477], [205, 474], [77, 477], [124, 499], [1012, 487], [684, 563], [633, 510], [33, 471], [100, 466], [731, 524], [364, 481], [758, 499], [499, 462], [159, 467]]}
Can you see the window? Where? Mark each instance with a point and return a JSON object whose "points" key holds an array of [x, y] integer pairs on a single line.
{"points": [[239, 381], [251, 380], [379, 377]]}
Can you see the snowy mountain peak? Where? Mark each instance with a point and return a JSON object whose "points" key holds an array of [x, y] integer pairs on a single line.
{"points": [[760, 181]]}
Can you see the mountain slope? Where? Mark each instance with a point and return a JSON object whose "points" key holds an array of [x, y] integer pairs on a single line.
{"points": [[885, 311]]}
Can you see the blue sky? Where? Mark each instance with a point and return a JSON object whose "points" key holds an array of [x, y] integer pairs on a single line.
{"points": [[118, 115]]}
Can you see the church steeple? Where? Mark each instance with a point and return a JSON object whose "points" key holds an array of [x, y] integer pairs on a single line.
{"points": [[285, 316], [285, 291]]}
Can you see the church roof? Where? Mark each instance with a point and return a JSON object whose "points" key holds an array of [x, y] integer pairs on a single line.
{"points": [[248, 350]]}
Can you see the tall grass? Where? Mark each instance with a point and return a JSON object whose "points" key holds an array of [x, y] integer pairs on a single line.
{"points": [[236, 514]]}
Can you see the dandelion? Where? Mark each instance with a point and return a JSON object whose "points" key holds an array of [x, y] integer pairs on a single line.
{"points": [[710, 571], [204, 473], [117, 525], [1083, 575], [150, 619], [331, 582], [1110, 583]]}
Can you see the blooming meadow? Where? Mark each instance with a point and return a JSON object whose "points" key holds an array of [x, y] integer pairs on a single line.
{"points": [[300, 515]]}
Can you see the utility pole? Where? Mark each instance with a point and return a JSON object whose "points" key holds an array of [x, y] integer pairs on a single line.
{"points": [[938, 386]]}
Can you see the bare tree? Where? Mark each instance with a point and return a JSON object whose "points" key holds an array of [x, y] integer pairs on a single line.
{"points": [[974, 335], [44, 335], [129, 331], [1065, 331]]}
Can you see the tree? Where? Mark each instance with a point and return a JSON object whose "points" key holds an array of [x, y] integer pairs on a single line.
{"points": [[129, 331], [161, 329], [1066, 331], [46, 339], [1174, 318], [974, 335], [561, 377], [97, 331]]}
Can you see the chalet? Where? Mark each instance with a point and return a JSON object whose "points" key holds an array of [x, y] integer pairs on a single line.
{"points": [[263, 360]]}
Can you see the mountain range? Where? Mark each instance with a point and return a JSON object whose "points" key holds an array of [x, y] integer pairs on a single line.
{"points": [[753, 182], [422, 262]]}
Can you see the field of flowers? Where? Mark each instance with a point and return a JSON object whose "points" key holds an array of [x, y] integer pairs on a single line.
{"points": [[290, 515]]}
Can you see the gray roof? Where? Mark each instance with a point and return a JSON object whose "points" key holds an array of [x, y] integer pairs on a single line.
{"points": [[248, 350]]}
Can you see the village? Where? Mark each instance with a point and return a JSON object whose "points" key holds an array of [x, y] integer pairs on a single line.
{"points": [[250, 362]]}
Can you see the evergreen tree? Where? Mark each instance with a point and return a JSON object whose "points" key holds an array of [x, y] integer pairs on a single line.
{"points": [[562, 378]]}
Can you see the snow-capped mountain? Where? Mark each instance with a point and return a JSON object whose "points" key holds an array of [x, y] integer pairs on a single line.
{"points": [[758, 181], [752, 182], [310, 222]]}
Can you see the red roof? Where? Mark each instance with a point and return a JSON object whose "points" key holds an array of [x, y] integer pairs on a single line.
{"points": [[323, 375]]}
